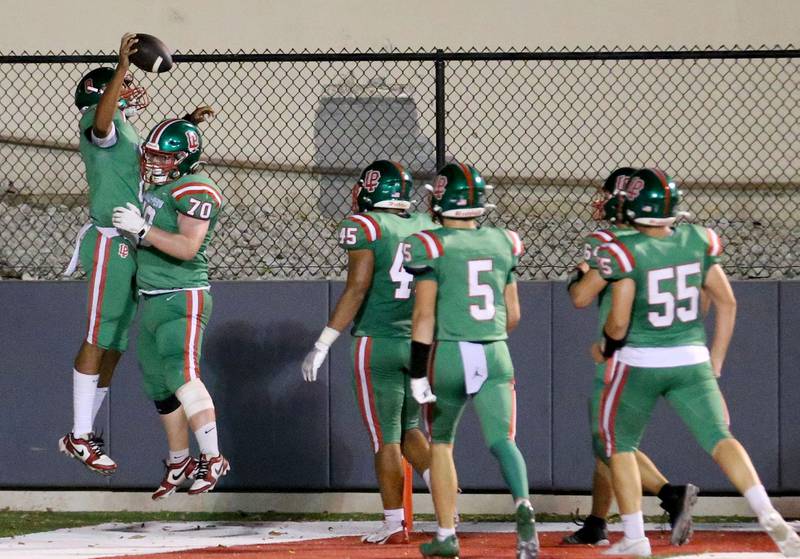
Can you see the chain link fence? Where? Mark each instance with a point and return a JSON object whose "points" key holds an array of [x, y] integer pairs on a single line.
{"points": [[544, 128]]}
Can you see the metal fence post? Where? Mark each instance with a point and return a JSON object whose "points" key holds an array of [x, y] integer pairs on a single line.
{"points": [[439, 65]]}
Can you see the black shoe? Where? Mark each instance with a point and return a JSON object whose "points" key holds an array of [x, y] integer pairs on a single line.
{"points": [[679, 506], [593, 532]]}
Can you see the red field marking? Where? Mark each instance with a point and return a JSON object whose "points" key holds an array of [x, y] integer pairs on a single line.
{"points": [[473, 546]]}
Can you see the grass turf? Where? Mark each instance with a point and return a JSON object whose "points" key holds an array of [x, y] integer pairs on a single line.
{"points": [[16, 523]]}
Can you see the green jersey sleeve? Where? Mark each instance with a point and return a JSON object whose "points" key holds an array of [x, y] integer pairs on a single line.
{"points": [[424, 248], [197, 199], [615, 261], [594, 242], [358, 232]]}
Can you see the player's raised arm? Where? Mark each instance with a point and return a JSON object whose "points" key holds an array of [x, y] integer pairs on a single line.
{"points": [[109, 101], [719, 291]]}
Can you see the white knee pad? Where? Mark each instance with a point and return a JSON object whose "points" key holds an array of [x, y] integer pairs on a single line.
{"points": [[194, 397]]}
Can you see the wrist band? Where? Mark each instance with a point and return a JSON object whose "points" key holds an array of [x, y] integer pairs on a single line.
{"points": [[611, 345], [420, 353], [327, 337]]}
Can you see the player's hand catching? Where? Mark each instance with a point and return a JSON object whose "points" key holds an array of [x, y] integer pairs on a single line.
{"points": [[203, 113], [126, 48], [421, 390], [583, 266], [129, 220], [313, 361]]}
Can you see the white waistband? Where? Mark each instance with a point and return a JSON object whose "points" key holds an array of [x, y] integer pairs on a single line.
{"points": [[109, 232], [162, 291], [662, 357]]}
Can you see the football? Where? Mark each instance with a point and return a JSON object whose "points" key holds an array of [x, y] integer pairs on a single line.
{"points": [[151, 55]]}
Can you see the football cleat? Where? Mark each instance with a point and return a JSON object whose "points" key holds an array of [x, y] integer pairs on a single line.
{"points": [[436, 548], [388, 533], [639, 547], [89, 451], [527, 540], [679, 508], [208, 472], [593, 532], [176, 474], [781, 533]]}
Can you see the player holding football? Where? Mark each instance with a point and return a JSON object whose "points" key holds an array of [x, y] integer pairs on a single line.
{"points": [[180, 212], [466, 303], [655, 340], [109, 147], [586, 285], [378, 299]]}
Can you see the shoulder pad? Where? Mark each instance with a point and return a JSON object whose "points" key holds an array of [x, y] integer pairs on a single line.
{"points": [[370, 226], [197, 188], [431, 242]]}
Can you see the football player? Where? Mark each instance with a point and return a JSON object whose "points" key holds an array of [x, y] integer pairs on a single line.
{"points": [[181, 208], [378, 298], [655, 340], [586, 285], [466, 303], [109, 147]]}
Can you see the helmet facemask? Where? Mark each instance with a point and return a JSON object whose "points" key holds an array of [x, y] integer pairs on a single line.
{"points": [[160, 167], [133, 98]]}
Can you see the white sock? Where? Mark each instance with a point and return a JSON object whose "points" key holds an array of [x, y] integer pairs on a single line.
{"points": [[426, 475], [444, 533], [207, 439], [394, 516], [178, 456], [633, 525], [84, 387], [99, 397], [758, 500]]}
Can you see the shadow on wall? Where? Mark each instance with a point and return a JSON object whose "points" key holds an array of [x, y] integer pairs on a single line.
{"points": [[262, 398], [350, 132]]}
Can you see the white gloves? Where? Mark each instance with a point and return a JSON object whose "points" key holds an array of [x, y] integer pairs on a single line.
{"points": [[129, 220], [316, 357], [421, 390]]}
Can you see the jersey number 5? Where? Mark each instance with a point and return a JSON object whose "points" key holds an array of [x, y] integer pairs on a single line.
{"points": [[486, 311], [684, 292]]}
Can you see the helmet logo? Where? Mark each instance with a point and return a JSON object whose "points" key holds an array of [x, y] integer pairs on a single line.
{"points": [[371, 180], [621, 183], [633, 189], [88, 86], [438, 186], [192, 140]]}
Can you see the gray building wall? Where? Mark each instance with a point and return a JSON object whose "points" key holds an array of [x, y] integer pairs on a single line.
{"points": [[281, 433]]}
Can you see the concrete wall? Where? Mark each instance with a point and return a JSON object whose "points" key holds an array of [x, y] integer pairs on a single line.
{"points": [[283, 434], [360, 24]]}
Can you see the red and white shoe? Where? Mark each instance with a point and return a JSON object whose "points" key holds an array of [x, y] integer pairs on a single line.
{"points": [[388, 533], [89, 451], [208, 472], [176, 474]]}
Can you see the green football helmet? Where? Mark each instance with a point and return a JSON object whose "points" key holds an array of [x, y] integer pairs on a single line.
{"points": [[383, 184], [132, 98], [172, 149], [458, 192], [607, 206], [651, 198]]}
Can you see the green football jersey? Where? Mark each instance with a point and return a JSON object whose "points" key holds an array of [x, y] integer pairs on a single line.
{"points": [[472, 268], [112, 173], [592, 243], [386, 310], [195, 196], [669, 273]]}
